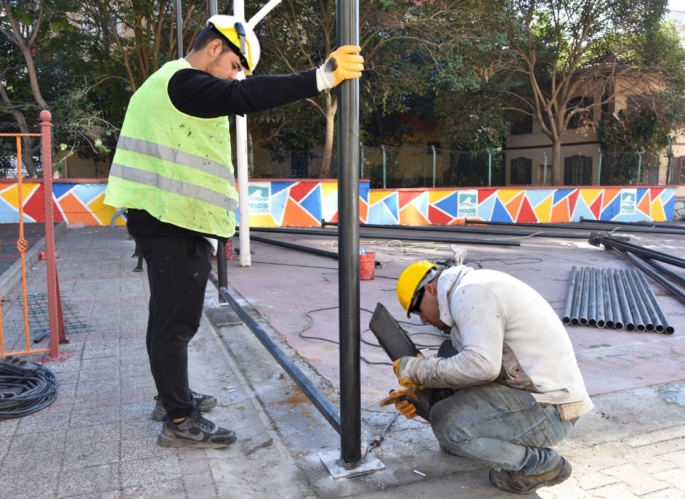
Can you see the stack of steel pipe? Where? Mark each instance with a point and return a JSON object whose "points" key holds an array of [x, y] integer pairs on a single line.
{"points": [[613, 299], [649, 261]]}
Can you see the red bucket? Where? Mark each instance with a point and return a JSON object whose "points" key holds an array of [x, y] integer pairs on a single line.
{"points": [[367, 266]]}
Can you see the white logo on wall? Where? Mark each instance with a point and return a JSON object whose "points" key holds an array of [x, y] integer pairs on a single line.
{"points": [[628, 199], [258, 196], [467, 204]]}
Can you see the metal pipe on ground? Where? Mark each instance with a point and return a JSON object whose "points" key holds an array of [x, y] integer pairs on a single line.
{"points": [[616, 305], [373, 235], [633, 302], [578, 226], [642, 301], [625, 304], [600, 314], [674, 276], [584, 305], [640, 251], [313, 394], [577, 298], [608, 311], [664, 325], [568, 307], [658, 278], [646, 225], [592, 299], [469, 230], [305, 249]]}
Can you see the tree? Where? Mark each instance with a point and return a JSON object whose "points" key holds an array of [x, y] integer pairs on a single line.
{"points": [[401, 42], [555, 60]]}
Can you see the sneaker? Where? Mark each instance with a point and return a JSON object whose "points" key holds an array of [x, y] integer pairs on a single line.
{"points": [[203, 403], [515, 482], [195, 431]]}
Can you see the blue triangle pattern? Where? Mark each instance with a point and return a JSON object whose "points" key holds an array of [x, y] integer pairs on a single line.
{"points": [[391, 203], [278, 203], [279, 186], [87, 192], [448, 204], [485, 209], [537, 196], [611, 210], [312, 203], [561, 194], [500, 213], [59, 190], [379, 214]]}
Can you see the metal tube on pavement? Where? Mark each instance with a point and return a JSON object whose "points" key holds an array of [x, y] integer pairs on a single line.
{"points": [[665, 325], [640, 251], [608, 309], [647, 310], [619, 319], [296, 247], [584, 306], [674, 276], [592, 299], [632, 300], [566, 319], [625, 304], [600, 314], [577, 298], [658, 278]]}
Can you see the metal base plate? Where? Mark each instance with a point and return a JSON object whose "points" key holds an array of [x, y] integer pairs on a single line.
{"points": [[336, 467]]}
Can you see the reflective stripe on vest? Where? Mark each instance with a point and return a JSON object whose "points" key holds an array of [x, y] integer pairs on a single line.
{"points": [[173, 186], [175, 156]]}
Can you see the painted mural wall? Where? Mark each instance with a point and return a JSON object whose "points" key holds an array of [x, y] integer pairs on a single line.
{"points": [[303, 203]]}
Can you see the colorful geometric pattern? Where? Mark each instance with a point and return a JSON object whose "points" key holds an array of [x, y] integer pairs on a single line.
{"points": [[284, 203], [448, 206]]}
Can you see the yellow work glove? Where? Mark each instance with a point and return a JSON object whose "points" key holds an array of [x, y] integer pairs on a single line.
{"points": [[343, 64], [406, 383], [403, 401]]}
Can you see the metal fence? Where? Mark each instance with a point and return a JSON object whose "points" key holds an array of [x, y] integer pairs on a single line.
{"points": [[413, 166]]}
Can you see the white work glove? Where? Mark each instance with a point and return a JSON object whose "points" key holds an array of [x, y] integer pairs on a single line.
{"points": [[343, 64], [459, 254]]}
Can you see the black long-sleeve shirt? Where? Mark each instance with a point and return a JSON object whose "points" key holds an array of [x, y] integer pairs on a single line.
{"points": [[198, 93]]}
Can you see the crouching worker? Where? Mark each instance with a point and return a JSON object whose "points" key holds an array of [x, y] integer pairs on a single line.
{"points": [[513, 385]]}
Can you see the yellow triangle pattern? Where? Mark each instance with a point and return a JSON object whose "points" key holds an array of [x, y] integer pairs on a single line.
{"points": [[590, 195], [262, 221], [435, 196], [658, 214], [544, 210], [506, 195]]}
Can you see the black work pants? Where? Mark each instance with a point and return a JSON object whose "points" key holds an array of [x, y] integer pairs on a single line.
{"points": [[178, 269]]}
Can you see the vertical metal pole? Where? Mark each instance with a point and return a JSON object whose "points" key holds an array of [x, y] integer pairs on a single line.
{"points": [[434, 164], [51, 257], [599, 168], [347, 27], [250, 154], [639, 168], [385, 169], [544, 170], [489, 167], [361, 160], [179, 27]]}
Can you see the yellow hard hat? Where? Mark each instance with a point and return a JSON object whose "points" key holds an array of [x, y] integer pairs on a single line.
{"points": [[412, 279], [241, 38]]}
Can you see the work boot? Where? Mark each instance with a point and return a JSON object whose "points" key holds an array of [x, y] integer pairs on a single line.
{"points": [[201, 402], [194, 431], [516, 482]]}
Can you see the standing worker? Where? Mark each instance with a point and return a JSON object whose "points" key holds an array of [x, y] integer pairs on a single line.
{"points": [[173, 174], [511, 387]]}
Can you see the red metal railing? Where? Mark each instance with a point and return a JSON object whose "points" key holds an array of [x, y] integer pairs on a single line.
{"points": [[55, 316]]}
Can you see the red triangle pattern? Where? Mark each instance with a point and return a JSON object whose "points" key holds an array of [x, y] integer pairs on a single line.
{"points": [[300, 190], [572, 200], [438, 217], [406, 197], [334, 218], [484, 194], [526, 213], [655, 191], [35, 207], [596, 207]]}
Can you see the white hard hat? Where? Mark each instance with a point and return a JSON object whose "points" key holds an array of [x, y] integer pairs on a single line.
{"points": [[240, 37]]}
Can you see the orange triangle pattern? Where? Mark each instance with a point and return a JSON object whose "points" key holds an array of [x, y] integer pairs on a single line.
{"points": [[411, 216], [296, 216], [514, 205]]}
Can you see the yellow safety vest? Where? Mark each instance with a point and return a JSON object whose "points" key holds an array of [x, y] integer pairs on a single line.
{"points": [[174, 166]]}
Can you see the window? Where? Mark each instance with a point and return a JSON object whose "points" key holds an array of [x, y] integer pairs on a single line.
{"points": [[578, 170], [522, 124], [521, 171], [580, 110]]}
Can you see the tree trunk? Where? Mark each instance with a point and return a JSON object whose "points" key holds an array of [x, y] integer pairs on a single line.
{"points": [[556, 162], [331, 109]]}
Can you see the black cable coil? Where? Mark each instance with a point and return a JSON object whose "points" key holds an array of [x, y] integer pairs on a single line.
{"points": [[21, 395]]}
